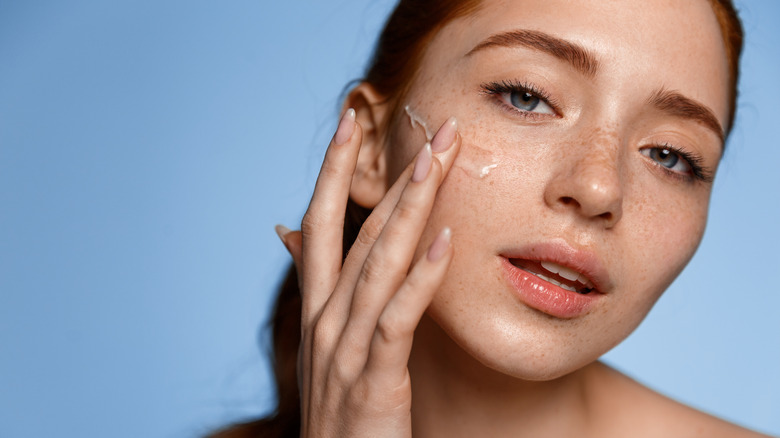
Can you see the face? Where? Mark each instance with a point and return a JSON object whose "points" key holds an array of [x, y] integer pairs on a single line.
{"points": [[589, 143]]}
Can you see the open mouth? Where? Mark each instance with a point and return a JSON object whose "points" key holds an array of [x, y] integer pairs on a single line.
{"points": [[556, 274]]}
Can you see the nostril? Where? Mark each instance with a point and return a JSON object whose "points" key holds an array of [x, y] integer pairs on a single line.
{"points": [[567, 200], [570, 201]]}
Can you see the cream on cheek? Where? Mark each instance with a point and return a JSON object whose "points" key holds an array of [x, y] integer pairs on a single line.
{"points": [[474, 306], [477, 163], [416, 120]]}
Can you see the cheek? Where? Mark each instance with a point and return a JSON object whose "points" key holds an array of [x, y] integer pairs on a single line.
{"points": [[660, 232], [667, 230], [499, 161], [494, 197], [493, 188]]}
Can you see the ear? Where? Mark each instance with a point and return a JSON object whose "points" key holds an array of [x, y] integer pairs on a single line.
{"points": [[369, 183]]}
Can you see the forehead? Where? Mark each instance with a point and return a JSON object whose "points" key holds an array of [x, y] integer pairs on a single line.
{"points": [[642, 45]]}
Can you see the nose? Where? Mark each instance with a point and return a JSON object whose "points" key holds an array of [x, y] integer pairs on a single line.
{"points": [[587, 183]]}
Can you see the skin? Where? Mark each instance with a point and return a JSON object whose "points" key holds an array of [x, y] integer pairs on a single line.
{"points": [[482, 362]]}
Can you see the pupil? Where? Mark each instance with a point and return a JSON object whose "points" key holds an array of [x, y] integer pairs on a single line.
{"points": [[667, 158], [524, 101]]}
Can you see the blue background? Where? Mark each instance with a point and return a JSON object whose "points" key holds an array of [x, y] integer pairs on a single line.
{"points": [[147, 148]]}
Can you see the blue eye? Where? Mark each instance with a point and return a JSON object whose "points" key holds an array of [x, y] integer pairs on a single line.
{"points": [[527, 101], [524, 98], [668, 158]]}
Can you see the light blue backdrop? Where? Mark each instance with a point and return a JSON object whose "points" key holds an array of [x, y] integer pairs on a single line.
{"points": [[147, 148]]}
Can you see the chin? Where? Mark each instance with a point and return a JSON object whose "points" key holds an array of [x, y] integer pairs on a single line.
{"points": [[534, 348]]}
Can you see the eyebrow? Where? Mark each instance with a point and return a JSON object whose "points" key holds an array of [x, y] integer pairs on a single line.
{"points": [[577, 56], [677, 105], [670, 102]]}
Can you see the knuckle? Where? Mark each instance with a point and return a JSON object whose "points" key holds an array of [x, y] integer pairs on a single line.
{"points": [[406, 211], [370, 231], [311, 222], [391, 328], [343, 369], [374, 270], [414, 282]]}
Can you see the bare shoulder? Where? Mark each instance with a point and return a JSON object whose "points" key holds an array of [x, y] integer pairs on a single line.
{"points": [[636, 410]]}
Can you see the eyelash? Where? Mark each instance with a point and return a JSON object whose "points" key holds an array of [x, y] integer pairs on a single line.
{"points": [[698, 170], [497, 89]]}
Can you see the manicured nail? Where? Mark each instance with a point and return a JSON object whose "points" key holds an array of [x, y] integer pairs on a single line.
{"points": [[440, 245], [346, 127], [282, 231], [423, 164], [445, 137]]}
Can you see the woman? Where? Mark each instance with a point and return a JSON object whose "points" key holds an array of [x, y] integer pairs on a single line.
{"points": [[565, 188]]}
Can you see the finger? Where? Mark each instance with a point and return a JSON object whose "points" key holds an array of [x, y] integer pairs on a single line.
{"points": [[392, 340], [292, 240], [323, 224], [336, 312], [388, 261], [372, 228]]}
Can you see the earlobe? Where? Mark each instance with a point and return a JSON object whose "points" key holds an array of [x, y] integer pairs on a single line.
{"points": [[369, 183]]}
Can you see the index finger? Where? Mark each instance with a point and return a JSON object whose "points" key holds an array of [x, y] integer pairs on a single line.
{"points": [[323, 223]]}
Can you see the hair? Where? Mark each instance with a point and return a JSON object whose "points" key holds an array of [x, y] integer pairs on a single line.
{"points": [[392, 69]]}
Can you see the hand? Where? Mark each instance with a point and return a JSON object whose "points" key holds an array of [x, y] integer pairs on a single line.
{"points": [[358, 318]]}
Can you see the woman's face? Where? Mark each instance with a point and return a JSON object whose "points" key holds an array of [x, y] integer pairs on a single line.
{"points": [[590, 137]]}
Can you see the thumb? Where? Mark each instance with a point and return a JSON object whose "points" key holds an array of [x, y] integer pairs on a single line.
{"points": [[293, 241]]}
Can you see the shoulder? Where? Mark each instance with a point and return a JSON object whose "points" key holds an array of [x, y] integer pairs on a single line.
{"points": [[638, 411]]}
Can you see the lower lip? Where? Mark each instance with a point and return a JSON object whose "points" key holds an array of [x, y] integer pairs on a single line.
{"points": [[547, 297]]}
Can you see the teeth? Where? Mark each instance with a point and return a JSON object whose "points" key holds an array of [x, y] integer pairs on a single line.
{"points": [[567, 273], [552, 267], [556, 282], [582, 279]]}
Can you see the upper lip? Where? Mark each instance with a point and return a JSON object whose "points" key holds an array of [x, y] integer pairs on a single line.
{"points": [[562, 253]]}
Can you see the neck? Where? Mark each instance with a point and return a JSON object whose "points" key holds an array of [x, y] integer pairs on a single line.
{"points": [[455, 395]]}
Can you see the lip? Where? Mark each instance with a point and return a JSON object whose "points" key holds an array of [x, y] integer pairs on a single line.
{"points": [[550, 298]]}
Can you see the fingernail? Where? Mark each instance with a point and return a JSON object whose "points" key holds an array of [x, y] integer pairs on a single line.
{"points": [[282, 231], [445, 137], [423, 164], [346, 127], [440, 245]]}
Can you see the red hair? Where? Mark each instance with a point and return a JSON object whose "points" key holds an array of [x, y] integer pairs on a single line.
{"points": [[392, 69], [733, 35]]}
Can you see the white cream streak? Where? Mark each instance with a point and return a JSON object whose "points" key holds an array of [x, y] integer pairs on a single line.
{"points": [[474, 170], [486, 170], [416, 120]]}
